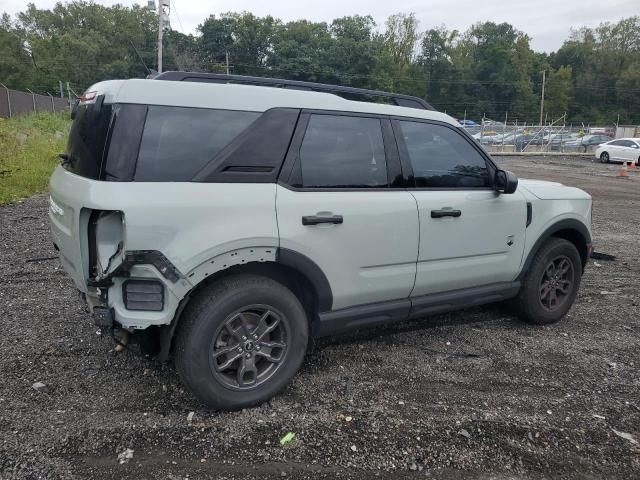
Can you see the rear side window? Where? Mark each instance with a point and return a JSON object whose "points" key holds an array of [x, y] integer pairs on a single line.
{"points": [[442, 158], [177, 142], [87, 139], [342, 152]]}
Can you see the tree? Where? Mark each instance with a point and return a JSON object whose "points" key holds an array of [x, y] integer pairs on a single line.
{"points": [[352, 55], [489, 69], [301, 51], [86, 43], [558, 92], [15, 62], [400, 38], [435, 57], [523, 101], [215, 41]]}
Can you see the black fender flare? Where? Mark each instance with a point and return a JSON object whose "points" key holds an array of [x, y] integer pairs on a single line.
{"points": [[284, 256], [308, 268], [566, 224]]}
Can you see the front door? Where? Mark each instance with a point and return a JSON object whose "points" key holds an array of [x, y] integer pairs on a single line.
{"points": [[631, 150], [470, 235], [616, 151], [336, 205]]}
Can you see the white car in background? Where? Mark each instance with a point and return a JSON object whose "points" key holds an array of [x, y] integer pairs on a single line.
{"points": [[619, 150]]}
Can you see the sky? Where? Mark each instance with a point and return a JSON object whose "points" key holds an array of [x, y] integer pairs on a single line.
{"points": [[547, 22]]}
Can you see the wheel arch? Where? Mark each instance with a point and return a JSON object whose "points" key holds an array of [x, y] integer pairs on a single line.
{"points": [[569, 229], [294, 270]]}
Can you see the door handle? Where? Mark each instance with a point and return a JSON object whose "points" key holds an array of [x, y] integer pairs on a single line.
{"points": [[317, 219], [445, 212]]}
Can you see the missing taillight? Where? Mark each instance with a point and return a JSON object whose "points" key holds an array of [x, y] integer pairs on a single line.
{"points": [[106, 242]]}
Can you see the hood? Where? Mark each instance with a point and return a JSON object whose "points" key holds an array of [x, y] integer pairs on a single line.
{"points": [[552, 190]]}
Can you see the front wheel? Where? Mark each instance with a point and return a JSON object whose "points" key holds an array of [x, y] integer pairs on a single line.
{"points": [[241, 341], [551, 284], [604, 157]]}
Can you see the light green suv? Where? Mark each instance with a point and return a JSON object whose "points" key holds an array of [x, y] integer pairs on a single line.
{"points": [[226, 221]]}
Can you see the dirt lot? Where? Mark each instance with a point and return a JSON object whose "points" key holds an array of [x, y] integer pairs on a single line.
{"points": [[475, 394]]}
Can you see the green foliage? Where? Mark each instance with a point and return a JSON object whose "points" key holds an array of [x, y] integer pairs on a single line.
{"points": [[30, 145], [489, 70], [605, 71], [559, 88]]}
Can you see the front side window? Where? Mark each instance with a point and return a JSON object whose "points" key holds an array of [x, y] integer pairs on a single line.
{"points": [[177, 142], [342, 152], [442, 158]]}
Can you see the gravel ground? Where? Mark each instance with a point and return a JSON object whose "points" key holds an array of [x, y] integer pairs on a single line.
{"points": [[475, 394]]}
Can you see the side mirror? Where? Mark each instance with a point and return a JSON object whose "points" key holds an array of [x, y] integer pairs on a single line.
{"points": [[505, 181]]}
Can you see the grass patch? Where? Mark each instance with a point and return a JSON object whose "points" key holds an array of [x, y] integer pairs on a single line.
{"points": [[29, 146]]}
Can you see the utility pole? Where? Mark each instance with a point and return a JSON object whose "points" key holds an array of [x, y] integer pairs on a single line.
{"points": [[61, 89], [160, 31], [226, 54], [544, 77]]}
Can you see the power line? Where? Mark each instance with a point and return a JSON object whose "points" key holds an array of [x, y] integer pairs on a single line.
{"points": [[177, 16], [279, 69]]}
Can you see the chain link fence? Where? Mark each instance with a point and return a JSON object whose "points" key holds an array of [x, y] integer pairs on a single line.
{"points": [[16, 102], [553, 137]]}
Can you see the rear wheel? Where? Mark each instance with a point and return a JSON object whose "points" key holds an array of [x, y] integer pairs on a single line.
{"points": [[604, 157], [551, 284], [241, 341]]}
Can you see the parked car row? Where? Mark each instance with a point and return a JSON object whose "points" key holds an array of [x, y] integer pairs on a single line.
{"points": [[589, 141], [555, 141]]}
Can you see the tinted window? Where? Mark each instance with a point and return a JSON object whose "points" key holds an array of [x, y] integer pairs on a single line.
{"points": [[124, 141], [617, 143], [87, 139], [177, 142], [442, 158], [342, 151]]}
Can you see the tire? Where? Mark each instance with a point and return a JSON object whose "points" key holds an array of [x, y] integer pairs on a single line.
{"points": [[531, 303], [604, 157], [273, 324]]}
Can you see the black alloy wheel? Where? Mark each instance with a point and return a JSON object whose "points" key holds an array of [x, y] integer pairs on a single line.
{"points": [[249, 347], [556, 283]]}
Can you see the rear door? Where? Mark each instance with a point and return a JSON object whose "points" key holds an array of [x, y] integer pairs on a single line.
{"points": [[469, 234], [338, 204]]}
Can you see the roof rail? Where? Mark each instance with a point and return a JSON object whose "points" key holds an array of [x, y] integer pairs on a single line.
{"points": [[396, 98]]}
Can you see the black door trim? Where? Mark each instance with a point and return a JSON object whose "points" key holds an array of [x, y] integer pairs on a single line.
{"points": [[372, 314], [464, 298], [361, 316]]}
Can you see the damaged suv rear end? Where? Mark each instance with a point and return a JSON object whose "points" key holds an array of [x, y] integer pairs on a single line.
{"points": [[87, 215], [121, 203]]}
